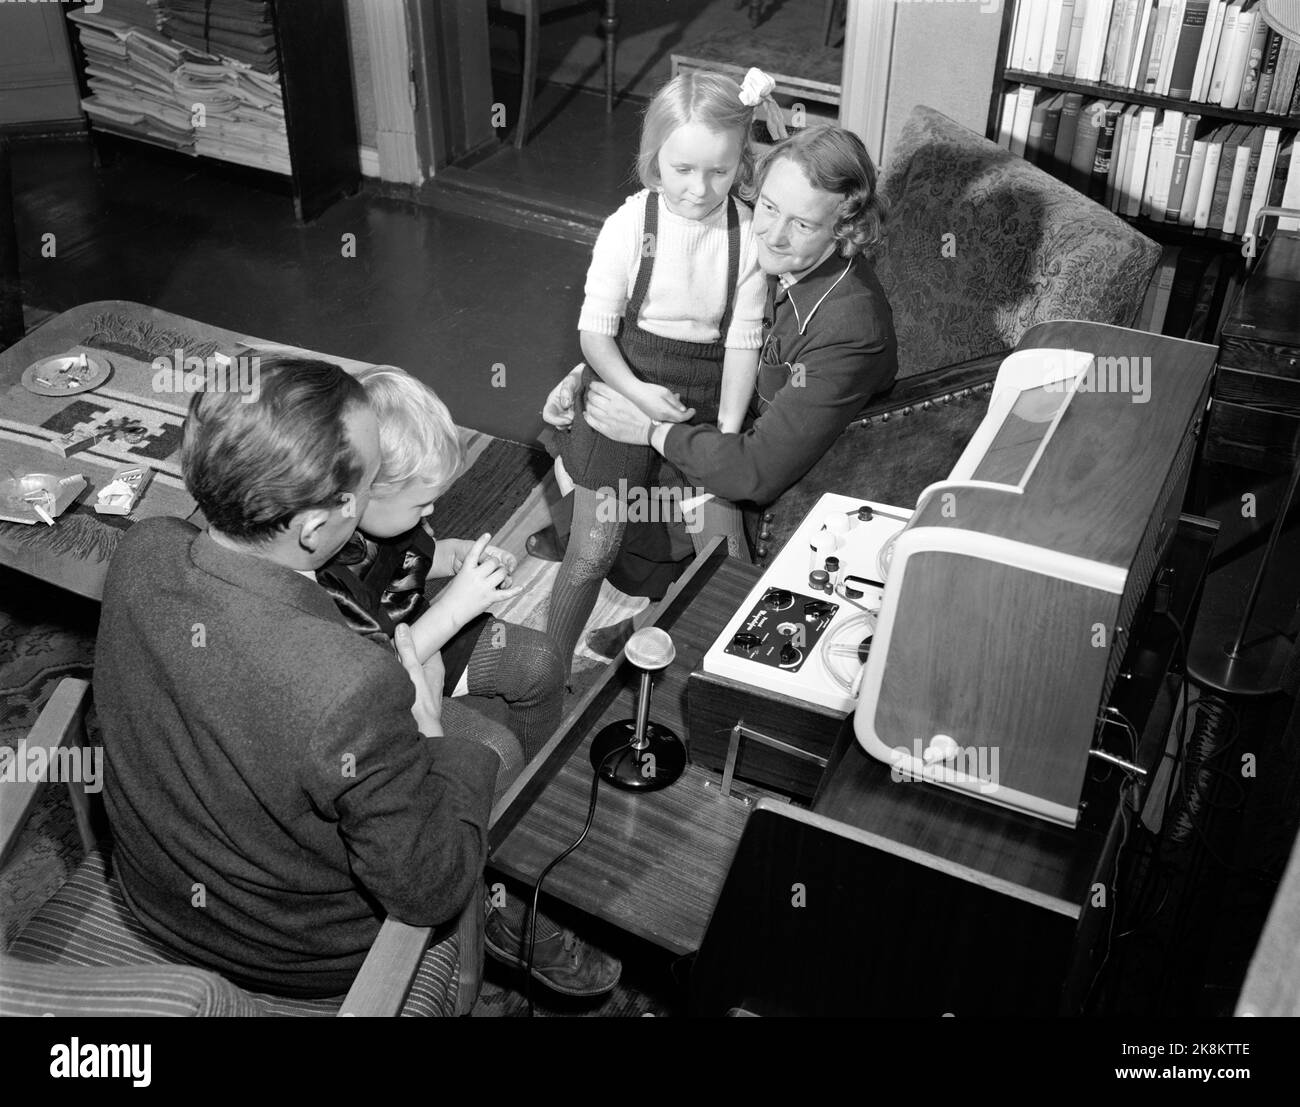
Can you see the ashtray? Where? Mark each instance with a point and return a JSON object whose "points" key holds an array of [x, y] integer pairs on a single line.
{"points": [[38, 497], [66, 374]]}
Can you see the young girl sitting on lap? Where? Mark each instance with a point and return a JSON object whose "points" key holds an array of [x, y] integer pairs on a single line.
{"points": [[672, 319]]}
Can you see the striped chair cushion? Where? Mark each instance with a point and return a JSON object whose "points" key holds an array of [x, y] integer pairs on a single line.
{"points": [[153, 990], [87, 924]]}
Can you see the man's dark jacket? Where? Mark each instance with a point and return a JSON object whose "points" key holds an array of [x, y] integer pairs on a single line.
{"points": [[269, 794]]}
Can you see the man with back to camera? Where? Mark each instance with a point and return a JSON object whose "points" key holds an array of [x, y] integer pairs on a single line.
{"points": [[269, 780]]}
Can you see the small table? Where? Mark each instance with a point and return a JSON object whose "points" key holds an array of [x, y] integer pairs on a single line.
{"points": [[653, 863], [75, 552]]}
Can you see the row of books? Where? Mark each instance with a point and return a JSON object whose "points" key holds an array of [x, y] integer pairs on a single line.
{"points": [[1167, 165], [145, 85], [1190, 295], [1219, 52]]}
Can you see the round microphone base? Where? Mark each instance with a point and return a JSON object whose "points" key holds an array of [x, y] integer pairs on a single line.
{"points": [[657, 766]]}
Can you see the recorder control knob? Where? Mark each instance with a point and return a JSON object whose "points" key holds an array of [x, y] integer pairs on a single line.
{"points": [[837, 524], [789, 655]]}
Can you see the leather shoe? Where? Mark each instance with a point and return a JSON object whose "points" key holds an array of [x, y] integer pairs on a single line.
{"points": [[545, 545], [609, 641], [562, 961]]}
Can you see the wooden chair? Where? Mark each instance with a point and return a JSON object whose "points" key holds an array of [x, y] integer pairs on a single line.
{"points": [[532, 12], [85, 953]]}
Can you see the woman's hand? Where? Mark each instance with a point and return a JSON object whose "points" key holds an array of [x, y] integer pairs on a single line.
{"points": [[482, 579], [427, 679], [558, 409], [661, 404], [616, 417]]}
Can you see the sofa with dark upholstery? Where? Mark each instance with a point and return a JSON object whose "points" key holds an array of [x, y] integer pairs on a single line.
{"points": [[980, 246]]}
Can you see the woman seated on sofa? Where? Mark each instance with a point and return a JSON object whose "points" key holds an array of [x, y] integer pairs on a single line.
{"points": [[829, 343]]}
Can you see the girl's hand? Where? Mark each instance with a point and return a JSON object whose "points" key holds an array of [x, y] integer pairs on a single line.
{"points": [[481, 580], [659, 403]]}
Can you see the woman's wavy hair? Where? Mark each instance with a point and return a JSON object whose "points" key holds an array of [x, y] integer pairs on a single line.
{"points": [[834, 160], [253, 466], [695, 97]]}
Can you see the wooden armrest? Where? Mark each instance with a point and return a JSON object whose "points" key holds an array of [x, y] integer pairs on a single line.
{"points": [[380, 988], [61, 723], [385, 977]]}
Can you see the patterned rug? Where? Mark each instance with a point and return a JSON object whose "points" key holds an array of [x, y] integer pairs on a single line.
{"points": [[47, 634]]}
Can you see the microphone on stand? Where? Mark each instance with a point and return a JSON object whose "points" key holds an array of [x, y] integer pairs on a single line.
{"points": [[651, 756]]}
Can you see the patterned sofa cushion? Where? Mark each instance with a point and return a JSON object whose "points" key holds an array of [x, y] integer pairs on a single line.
{"points": [[88, 931], [1024, 248]]}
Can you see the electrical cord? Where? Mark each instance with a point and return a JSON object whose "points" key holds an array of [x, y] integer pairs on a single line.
{"points": [[537, 888]]}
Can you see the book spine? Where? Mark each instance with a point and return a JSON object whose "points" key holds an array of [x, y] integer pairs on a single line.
{"points": [[1170, 51], [1291, 190], [1160, 173], [1209, 49], [1025, 97], [1231, 209], [1066, 134], [1034, 36], [1007, 120], [1065, 22], [1263, 181], [1236, 71], [1209, 183], [1121, 13], [1091, 120], [1140, 43], [1279, 97], [1195, 172], [1224, 53], [1105, 150], [1123, 150], [1092, 46], [1183, 69], [1016, 55], [1268, 71], [1254, 63], [1139, 166], [1151, 77], [1182, 164], [1076, 34], [1047, 47]]}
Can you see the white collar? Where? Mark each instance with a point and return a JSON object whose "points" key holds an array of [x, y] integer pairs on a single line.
{"points": [[803, 322]]}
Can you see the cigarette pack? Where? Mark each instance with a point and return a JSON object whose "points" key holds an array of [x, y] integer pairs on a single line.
{"points": [[74, 442], [123, 492]]}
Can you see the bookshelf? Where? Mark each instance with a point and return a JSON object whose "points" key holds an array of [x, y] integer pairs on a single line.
{"points": [[281, 110], [1154, 159]]}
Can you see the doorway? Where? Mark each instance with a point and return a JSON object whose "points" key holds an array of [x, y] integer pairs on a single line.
{"points": [[578, 158]]}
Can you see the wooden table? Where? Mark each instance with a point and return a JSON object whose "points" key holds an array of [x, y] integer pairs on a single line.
{"points": [[653, 863]]}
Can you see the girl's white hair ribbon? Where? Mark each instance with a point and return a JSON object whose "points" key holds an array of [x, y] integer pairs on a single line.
{"points": [[756, 92]]}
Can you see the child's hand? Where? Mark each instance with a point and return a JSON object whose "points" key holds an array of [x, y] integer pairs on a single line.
{"points": [[503, 557], [428, 681], [481, 580], [659, 403]]}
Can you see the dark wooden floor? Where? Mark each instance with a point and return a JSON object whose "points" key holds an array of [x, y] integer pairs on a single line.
{"points": [[446, 297]]}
